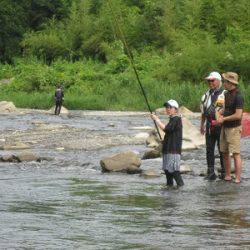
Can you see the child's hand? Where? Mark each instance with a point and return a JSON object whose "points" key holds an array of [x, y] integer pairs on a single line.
{"points": [[154, 117]]}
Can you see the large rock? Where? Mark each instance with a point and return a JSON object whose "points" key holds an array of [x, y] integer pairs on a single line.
{"points": [[9, 158], [192, 133], [188, 113], [153, 140], [28, 156], [24, 157], [151, 154], [7, 107], [121, 162], [15, 146], [192, 138]]}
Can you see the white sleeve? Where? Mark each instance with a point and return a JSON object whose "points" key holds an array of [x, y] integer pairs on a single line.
{"points": [[202, 103]]}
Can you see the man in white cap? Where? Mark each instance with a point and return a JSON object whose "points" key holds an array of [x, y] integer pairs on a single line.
{"points": [[209, 126]]}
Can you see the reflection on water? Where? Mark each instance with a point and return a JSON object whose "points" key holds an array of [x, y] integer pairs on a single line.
{"points": [[70, 204], [230, 218], [32, 207]]}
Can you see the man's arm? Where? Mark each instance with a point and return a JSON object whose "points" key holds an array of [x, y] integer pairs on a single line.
{"points": [[236, 116], [202, 124], [238, 112]]}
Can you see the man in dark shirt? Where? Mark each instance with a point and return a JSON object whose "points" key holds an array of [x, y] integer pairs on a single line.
{"points": [[231, 125], [58, 99]]}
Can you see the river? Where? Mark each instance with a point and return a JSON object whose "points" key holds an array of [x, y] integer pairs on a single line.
{"points": [[68, 203]]}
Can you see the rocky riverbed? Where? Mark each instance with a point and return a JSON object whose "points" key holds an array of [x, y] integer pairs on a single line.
{"points": [[63, 200]]}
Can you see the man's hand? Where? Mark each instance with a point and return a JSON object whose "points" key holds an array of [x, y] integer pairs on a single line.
{"points": [[220, 111], [202, 129], [220, 119]]}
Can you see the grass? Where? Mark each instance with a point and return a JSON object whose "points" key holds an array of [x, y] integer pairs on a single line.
{"points": [[94, 86], [113, 99]]}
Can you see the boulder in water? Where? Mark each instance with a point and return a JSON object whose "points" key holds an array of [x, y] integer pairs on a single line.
{"points": [[192, 138], [7, 107], [153, 140], [150, 173], [192, 134], [188, 113], [151, 154], [28, 156], [15, 146], [120, 162], [9, 158]]}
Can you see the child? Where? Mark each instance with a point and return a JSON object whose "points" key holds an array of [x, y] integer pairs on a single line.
{"points": [[172, 143]]}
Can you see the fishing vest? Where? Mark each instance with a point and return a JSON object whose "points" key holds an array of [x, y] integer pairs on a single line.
{"points": [[211, 101]]}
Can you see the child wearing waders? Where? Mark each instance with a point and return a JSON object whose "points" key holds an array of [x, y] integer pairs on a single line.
{"points": [[172, 143]]}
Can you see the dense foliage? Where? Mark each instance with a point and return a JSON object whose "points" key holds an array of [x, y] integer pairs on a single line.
{"points": [[175, 44]]}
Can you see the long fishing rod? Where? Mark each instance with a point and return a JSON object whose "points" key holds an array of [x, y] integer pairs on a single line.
{"points": [[131, 59]]}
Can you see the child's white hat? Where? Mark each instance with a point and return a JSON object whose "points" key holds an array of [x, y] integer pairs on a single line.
{"points": [[171, 103]]}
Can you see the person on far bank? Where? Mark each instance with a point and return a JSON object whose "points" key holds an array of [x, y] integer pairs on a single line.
{"points": [[210, 102], [172, 143], [231, 125], [58, 99]]}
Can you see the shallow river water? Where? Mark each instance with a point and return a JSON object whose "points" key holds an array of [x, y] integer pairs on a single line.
{"points": [[68, 203]]}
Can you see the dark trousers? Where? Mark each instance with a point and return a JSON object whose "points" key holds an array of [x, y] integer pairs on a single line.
{"points": [[176, 175], [58, 107], [213, 137]]}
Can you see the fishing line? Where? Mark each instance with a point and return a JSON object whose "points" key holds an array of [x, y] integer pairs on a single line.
{"points": [[131, 59]]}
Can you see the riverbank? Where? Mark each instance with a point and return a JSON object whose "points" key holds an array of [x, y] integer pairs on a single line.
{"points": [[89, 85]]}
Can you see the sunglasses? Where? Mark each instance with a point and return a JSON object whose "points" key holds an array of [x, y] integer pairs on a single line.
{"points": [[210, 81]]}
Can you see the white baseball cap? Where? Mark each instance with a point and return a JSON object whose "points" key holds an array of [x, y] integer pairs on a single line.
{"points": [[171, 103], [214, 75]]}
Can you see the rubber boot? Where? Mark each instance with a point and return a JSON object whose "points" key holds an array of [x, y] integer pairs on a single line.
{"points": [[169, 177], [178, 178], [223, 171], [211, 176]]}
